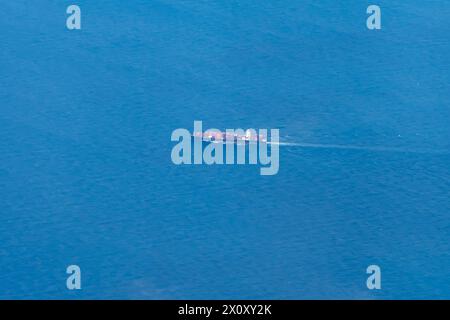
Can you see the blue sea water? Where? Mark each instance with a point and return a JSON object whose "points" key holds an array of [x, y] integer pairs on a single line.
{"points": [[86, 176]]}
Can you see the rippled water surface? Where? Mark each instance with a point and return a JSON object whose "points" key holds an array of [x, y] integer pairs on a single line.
{"points": [[86, 176]]}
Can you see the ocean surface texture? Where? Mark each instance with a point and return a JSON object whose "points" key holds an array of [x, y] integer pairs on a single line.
{"points": [[86, 176]]}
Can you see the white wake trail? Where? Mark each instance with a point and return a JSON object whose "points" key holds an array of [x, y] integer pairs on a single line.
{"points": [[361, 148]]}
